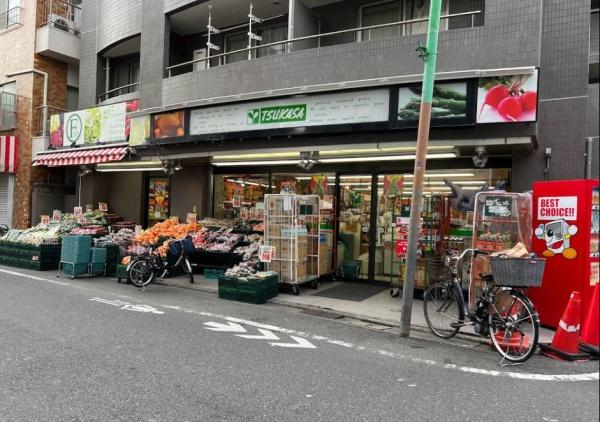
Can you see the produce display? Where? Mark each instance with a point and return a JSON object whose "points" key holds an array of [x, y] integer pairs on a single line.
{"points": [[40, 234], [123, 239], [166, 229], [91, 230], [249, 266]]}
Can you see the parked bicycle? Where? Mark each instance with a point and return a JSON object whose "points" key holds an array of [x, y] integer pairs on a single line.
{"points": [[145, 268], [503, 311], [3, 229]]}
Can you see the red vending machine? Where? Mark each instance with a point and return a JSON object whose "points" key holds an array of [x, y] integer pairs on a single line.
{"points": [[566, 231]]}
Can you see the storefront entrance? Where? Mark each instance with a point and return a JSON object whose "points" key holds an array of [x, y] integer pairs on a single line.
{"points": [[364, 219]]}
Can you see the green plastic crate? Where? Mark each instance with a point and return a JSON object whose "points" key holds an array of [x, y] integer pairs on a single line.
{"points": [[76, 249], [98, 268], [256, 290], [98, 255], [74, 270], [213, 274]]}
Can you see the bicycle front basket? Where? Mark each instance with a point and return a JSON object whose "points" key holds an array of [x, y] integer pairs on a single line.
{"points": [[517, 272]]}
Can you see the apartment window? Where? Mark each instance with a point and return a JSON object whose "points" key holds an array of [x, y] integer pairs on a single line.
{"points": [[396, 11], [8, 106], [269, 35], [72, 98], [10, 13]]}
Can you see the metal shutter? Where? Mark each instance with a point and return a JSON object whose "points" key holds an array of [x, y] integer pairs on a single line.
{"points": [[4, 198]]}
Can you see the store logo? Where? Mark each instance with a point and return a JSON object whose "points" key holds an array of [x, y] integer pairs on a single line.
{"points": [[73, 127], [277, 114]]}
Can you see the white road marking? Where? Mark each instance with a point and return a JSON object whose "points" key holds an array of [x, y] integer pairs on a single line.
{"points": [[229, 327], [592, 376], [266, 335], [128, 306], [300, 344]]}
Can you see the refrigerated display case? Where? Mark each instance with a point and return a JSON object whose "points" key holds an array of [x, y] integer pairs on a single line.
{"points": [[501, 220], [566, 231]]}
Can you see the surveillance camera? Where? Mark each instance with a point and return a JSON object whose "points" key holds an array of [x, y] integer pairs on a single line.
{"points": [[480, 158]]}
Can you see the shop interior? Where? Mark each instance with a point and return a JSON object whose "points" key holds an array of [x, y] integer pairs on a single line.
{"points": [[363, 215]]}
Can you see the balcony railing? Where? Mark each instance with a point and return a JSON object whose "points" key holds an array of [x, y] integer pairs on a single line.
{"points": [[10, 18], [205, 62], [122, 90], [61, 15], [8, 111], [43, 117]]}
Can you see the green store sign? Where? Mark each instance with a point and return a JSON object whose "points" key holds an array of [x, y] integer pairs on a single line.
{"points": [[277, 114]]}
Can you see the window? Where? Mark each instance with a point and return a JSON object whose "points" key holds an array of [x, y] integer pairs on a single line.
{"points": [[396, 11], [236, 42], [72, 98], [239, 41], [10, 13], [8, 106]]}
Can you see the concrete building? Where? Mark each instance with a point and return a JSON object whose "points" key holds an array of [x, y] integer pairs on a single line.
{"points": [[267, 94], [39, 72]]}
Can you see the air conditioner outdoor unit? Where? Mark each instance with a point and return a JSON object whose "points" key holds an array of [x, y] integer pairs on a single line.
{"points": [[60, 22], [199, 54]]}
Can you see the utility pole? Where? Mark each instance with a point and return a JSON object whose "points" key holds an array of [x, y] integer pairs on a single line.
{"points": [[429, 55]]}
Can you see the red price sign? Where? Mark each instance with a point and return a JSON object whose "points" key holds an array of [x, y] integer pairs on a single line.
{"points": [[266, 253], [45, 219], [401, 248]]}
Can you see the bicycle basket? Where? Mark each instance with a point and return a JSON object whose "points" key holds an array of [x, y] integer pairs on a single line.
{"points": [[517, 272]]}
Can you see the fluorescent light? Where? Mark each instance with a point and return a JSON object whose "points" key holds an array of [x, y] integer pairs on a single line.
{"points": [[129, 164], [383, 158], [254, 163], [114, 170], [432, 175]]}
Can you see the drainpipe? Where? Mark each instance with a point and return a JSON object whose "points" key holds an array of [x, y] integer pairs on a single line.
{"points": [[45, 103]]}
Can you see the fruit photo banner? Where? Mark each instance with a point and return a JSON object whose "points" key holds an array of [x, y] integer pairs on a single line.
{"points": [[507, 99], [90, 126]]}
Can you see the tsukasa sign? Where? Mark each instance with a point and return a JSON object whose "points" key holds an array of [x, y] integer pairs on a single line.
{"points": [[366, 106], [556, 207]]}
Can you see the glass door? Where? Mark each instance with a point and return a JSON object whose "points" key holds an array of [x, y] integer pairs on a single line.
{"points": [[354, 233]]}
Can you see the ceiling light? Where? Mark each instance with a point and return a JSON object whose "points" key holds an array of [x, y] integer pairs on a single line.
{"points": [[254, 163], [432, 175], [129, 164], [384, 158], [113, 170]]}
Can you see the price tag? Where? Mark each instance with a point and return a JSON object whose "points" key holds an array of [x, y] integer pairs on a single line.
{"points": [[266, 253], [80, 219], [103, 206], [45, 219], [56, 215], [237, 202], [401, 248], [191, 217], [77, 211]]}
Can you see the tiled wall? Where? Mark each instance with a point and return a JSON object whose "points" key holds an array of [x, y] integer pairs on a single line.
{"points": [[118, 19]]}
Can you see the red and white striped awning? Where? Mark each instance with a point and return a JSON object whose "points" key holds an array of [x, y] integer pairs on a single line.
{"points": [[8, 154], [80, 157]]}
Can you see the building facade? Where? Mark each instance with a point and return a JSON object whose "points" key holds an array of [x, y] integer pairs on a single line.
{"points": [[39, 73], [235, 99]]}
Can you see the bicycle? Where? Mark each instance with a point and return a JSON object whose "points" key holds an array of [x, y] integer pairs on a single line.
{"points": [[502, 312], [142, 270]]}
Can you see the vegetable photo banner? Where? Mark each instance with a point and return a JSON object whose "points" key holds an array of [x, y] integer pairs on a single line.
{"points": [[507, 99], [451, 104]]}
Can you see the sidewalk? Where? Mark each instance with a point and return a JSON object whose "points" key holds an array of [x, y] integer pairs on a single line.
{"points": [[380, 308]]}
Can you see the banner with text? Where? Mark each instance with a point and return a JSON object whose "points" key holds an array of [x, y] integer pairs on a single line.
{"points": [[318, 110]]}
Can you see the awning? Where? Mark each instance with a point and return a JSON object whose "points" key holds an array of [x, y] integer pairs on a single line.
{"points": [[80, 157], [8, 154]]}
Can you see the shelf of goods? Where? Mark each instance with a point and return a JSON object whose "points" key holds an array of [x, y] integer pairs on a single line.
{"points": [[293, 228], [432, 233], [501, 220]]}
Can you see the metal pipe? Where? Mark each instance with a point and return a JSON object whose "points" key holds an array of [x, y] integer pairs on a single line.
{"points": [[429, 55]]}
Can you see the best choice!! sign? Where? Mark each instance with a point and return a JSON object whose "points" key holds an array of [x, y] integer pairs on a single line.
{"points": [[282, 114], [556, 207]]}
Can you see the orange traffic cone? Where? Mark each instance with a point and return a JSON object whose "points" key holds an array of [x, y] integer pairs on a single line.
{"points": [[590, 330], [565, 344]]}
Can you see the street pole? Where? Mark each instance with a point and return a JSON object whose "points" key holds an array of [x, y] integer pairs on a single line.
{"points": [[429, 55]]}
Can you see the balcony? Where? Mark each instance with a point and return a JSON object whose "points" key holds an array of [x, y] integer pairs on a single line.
{"points": [[58, 30], [233, 36], [8, 111], [11, 19], [119, 72]]}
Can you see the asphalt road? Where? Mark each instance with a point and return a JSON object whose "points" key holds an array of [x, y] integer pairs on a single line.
{"points": [[87, 350]]}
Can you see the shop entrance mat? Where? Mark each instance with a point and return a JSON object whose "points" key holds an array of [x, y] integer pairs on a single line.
{"points": [[353, 292]]}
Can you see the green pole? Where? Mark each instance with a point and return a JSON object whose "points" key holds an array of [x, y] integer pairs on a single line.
{"points": [[430, 57]]}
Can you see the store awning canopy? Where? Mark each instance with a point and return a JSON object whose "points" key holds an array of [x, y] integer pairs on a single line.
{"points": [[80, 157]]}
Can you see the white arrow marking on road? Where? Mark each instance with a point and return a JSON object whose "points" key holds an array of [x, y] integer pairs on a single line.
{"points": [[266, 335], [128, 306], [230, 327], [300, 343]]}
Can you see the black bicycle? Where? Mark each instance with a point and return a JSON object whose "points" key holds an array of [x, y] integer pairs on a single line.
{"points": [[3, 229], [145, 268], [503, 313]]}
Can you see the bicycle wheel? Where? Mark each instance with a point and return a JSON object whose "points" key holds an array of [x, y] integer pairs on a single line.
{"points": [[514, 326], [442, 310], [140, 273], [188, 269]]}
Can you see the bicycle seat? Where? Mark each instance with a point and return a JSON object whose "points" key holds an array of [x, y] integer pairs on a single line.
{"points": [[486, 277]]}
